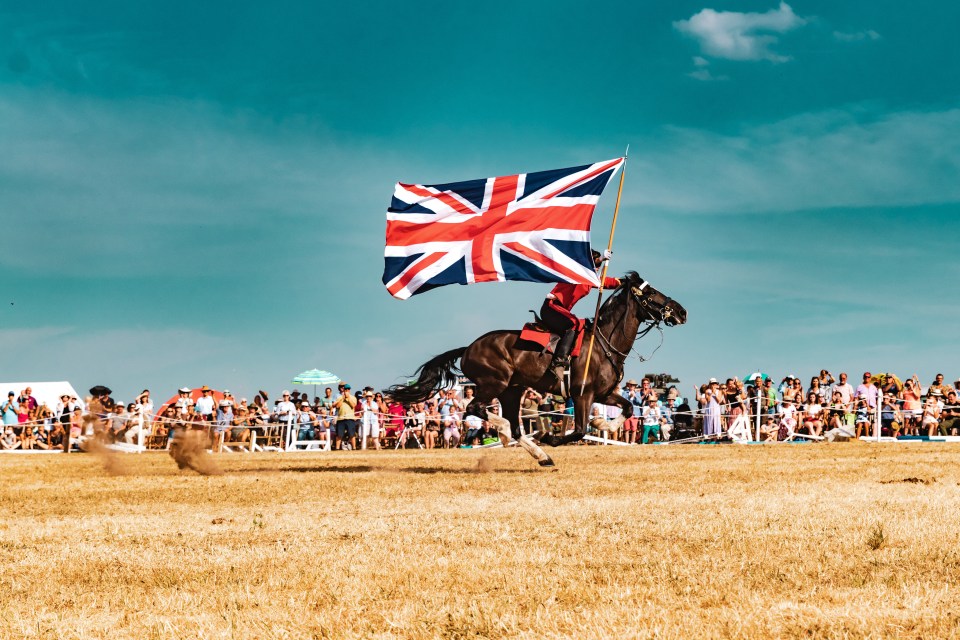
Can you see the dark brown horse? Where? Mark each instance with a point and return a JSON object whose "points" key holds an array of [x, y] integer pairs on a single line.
{"points": [[502, 370]]}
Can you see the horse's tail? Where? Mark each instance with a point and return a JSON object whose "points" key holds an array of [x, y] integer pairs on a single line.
{"points": [[437, 373]]}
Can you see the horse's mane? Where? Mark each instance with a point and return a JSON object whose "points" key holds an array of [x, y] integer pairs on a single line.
{"points": [[629, 279]]}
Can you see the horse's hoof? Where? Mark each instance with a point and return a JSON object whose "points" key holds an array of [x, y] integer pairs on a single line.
{"points": [[547, 463], [576, 436], [550, 439]]}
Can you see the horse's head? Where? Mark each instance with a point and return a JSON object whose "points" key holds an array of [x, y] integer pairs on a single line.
{"points": [[653, 305]]}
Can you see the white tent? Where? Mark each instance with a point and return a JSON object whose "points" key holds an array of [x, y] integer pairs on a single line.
{"points": [[44, 392]]}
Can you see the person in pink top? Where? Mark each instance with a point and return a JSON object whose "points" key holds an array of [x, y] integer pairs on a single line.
{"points": [[395, 415], [912, 408]]}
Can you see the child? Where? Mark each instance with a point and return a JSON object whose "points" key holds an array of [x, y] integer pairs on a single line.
{"points": [[862, 412]]}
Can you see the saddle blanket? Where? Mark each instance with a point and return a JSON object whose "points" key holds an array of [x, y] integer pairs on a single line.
{"points": [[537, 334]]}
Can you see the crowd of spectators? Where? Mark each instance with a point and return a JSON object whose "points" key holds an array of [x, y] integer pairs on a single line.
{"points": [[345, 420], [829, 407]]}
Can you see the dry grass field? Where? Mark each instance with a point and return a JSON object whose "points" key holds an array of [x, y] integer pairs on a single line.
{"points": [[842, 540]]}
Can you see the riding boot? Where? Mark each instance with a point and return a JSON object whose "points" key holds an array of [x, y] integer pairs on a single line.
{"points": [[561, 357]]}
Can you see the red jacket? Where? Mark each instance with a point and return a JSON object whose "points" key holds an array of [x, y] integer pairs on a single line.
{"points": [[566, 295]]}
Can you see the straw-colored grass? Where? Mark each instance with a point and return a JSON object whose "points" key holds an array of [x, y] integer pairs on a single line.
{"points": [[841, 540]]}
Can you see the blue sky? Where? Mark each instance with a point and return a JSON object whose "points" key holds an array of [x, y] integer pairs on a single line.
{"points": [[196, 194]]}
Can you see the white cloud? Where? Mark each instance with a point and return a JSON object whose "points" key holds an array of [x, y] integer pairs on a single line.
{"points": [[740, 36], [858, 36], [814, 161], [701, 72]]}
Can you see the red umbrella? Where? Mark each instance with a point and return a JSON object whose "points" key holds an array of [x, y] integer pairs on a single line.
{"points": [[195, 394]]}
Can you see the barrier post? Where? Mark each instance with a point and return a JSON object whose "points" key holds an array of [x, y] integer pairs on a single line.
{"points": [[759, 396], [877, 414]]}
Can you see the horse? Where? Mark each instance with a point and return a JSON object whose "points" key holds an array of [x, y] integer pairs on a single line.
{"points": [[501, 369]]}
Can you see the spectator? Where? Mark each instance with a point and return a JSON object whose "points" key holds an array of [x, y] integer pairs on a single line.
{"points": [[651, 420], [240, 425], [846, 392], [116, 424], [76, 427], [710, 409], [345, 406], [826, 380], [450, 410], [473, 425], [285, 413], [324, 424], [370, 421], [27, 398], [769, 430], [732, 400], [327, 399], [205, 405], [646, 389], [950, 415], [890, 418], [819, 390], [813, 414], [9, 441], [932, 409], [183, 403], [395, 415], [863, 416], [912, 407], [789, 392], [890, 385], [27, 438], [939, 385], [431, 432], [530, 410], [769, 398], [306, 421], [868, 391], [666, 425], [630, 425], [10, 409]]}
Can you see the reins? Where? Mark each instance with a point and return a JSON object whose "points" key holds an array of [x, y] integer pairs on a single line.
{"points": [[646, 325]]}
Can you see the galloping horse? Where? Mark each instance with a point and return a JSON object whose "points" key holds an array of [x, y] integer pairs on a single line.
{"points": [[502, 370]]}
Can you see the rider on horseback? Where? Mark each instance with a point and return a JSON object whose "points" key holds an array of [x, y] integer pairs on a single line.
{"points": [[556, 312]]}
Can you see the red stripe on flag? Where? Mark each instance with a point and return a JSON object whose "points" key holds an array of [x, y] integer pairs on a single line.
{"points": [[536, 256], [412, 271], [590, 175], [504, 192], [442, 196], [401, 233]]}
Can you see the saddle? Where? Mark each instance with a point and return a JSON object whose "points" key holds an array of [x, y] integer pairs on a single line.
{"points": [[535, 336]]}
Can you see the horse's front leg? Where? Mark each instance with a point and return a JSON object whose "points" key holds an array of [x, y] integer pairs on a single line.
{"points": [[626, 410]]}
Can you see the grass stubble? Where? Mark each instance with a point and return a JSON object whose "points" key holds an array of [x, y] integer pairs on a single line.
{"points": [[842, 541]]}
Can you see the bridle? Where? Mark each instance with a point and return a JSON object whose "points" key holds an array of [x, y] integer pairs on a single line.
{"points": [[656, 312]]}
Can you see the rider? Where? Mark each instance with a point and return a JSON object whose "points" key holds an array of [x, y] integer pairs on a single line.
{"points": [[556, 312]]}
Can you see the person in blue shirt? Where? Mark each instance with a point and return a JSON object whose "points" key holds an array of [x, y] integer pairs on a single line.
{"points": [[9, 409]]}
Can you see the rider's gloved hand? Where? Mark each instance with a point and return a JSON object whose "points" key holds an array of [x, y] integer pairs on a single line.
{"points": [[607, 254]]}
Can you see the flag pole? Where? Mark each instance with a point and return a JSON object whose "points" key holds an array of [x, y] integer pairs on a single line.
{"points": [[603, 275]]}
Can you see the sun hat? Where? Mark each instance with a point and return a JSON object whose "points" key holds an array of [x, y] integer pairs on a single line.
{"points": [[285, 392], [184, 390], [205, 388], [304, 404], [712, 380], [631, 381]]}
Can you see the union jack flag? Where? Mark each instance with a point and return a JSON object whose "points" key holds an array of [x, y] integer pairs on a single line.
{"points": [[531, 226]]}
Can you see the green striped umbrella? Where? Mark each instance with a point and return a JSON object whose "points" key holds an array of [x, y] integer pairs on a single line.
{"points": [[315, 377]]}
